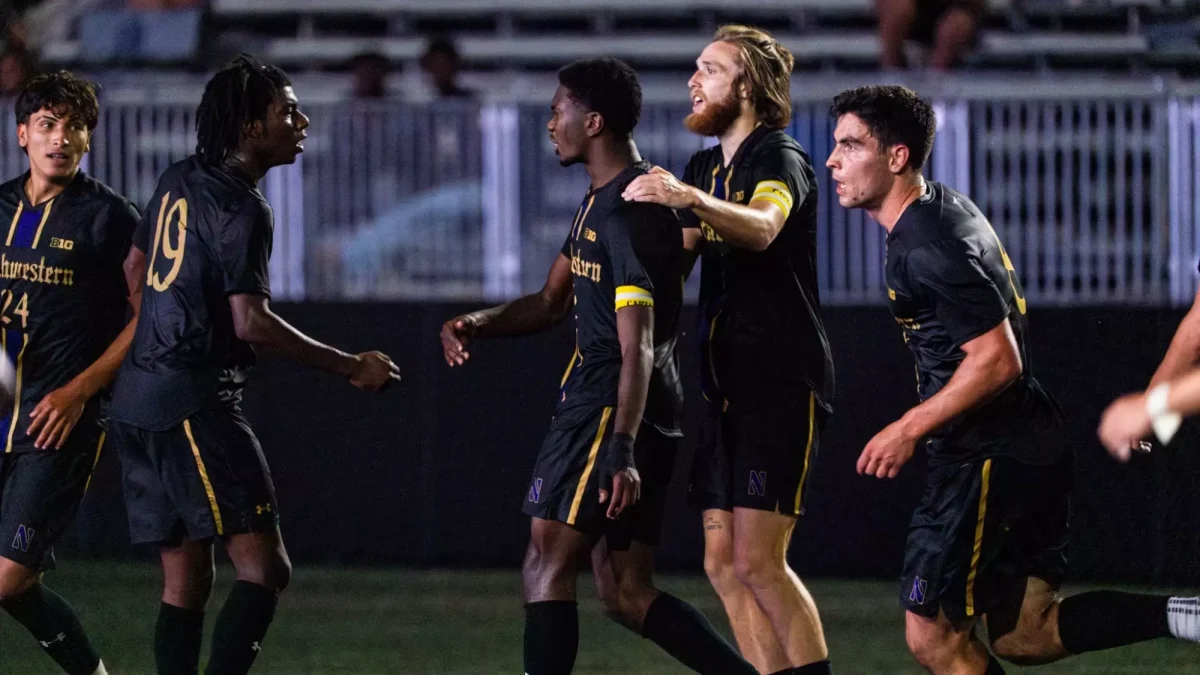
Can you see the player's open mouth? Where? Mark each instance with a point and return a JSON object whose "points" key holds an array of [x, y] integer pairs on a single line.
{"points": [[697, 103], [59, 157]]}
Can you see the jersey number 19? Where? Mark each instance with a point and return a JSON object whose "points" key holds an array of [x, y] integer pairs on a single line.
{"points": [[176, 216]]}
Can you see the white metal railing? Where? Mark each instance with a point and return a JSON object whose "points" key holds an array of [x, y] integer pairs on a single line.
{"points": [[1095, 197]]}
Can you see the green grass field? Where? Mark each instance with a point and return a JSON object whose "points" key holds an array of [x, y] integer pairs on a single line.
{"points": [[360, 622]]}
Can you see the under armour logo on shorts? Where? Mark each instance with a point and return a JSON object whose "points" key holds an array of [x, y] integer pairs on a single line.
{"points": [[535, 490], [917, 594], [758, 483]]}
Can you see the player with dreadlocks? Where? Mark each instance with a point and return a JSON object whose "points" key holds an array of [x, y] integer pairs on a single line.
{"points": [[193, 469]]}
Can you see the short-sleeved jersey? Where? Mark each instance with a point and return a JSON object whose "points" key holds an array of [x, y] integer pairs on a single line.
{"points": [[950, 281], [760, 311], [207, 235], [623, 254], [63, 295]]}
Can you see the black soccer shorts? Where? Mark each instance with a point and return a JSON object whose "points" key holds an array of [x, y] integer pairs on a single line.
{"points": [[204, 478], [758, 456], [982, 528], [40, 493], [566, 482]]}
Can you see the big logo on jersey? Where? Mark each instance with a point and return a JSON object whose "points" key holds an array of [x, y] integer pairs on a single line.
{"points": [[168, 220]]}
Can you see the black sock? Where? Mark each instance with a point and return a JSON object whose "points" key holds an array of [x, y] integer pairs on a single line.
{"points": [[241, 627], [177, 638], [685, 633], [993, 667], [551, 637], [1098, 620], [54, 624]]}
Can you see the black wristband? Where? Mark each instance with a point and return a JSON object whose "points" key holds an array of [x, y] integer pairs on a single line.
{"points": [[620, 451]]}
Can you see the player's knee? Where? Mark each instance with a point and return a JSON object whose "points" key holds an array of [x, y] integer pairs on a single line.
{"points": [[930, 647], [757, 570], [277, 572], [1032, 643], [15, 581], [718, 565]]}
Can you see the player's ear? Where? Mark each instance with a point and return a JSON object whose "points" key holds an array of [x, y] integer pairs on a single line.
{"points": [[87, 142], [23, 135], [898, 158], [253, 129], [595, 124]]}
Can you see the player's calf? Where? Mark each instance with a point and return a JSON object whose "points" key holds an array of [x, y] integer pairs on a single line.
{"points": [[1099, 620], [51, 621]]}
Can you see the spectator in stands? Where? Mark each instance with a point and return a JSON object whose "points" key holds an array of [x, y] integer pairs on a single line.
{"points": [[15, 68], [947, 27], [370, 75], [442, 63]]}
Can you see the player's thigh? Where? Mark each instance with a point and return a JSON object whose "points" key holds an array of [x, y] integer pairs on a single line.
{"points": [[760, 540], [773, 443], [933, 638], [188, 572], [626, 572], [552, 560], [1027, 620], [40, 494], [718, 543]]}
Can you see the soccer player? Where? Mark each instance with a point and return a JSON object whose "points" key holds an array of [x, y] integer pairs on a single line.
{"points": [[67, 277], [193, 470], [600, 482], [988, 537], [750, 204]]}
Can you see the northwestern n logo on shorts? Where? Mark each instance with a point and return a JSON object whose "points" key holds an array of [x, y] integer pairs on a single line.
{"points": [[917, 594], [758, 483], [24, 536], [535, 490]]}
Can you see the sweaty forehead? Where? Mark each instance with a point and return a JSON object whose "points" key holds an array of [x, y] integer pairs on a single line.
{"points": [[62, 113], [851, 127], [721, 54], [287, 96]]}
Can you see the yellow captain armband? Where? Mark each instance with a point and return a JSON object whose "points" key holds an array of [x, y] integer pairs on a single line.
{"points": [[776, 192], [632, 295]]}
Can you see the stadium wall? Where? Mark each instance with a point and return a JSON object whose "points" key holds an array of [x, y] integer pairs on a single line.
{"points": [[433, 472]]}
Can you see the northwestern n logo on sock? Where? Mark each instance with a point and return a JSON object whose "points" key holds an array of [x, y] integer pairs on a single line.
{"points": [[758, 483], [24, 536], [535, 490], [917, 594]]}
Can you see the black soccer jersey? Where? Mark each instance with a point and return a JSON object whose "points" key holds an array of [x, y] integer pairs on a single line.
{"points": [[623, 253], [207, 235], [950, 281], [63, 296], [760, 312]]}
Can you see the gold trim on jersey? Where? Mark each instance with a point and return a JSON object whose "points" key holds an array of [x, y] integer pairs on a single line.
{"points": [[208, 488], [45, 216], [632, 295], [12, 227], [977, 550], [578, 228], [16, 413], [581, 488]]}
